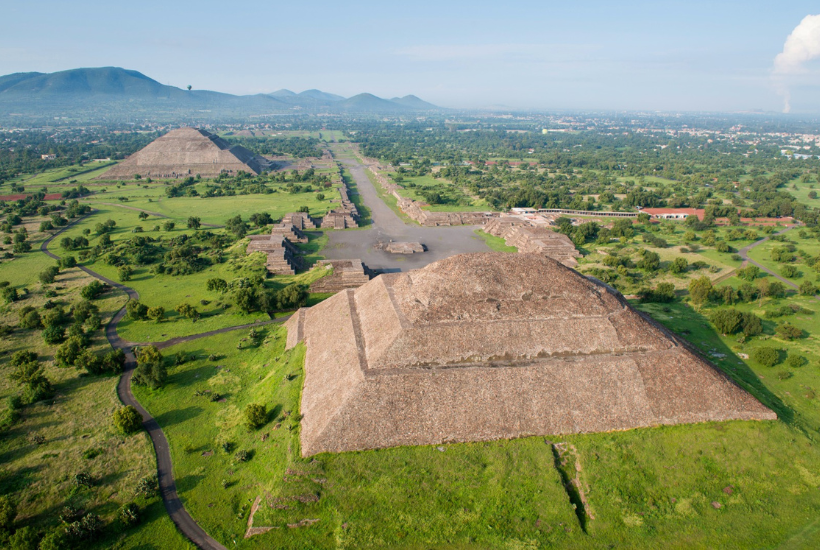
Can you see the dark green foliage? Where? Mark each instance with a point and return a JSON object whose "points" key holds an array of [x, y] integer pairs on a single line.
{"points": [[650, 261], [807, 288], [663, 293], [92, 290], [150, 369], [789, 271], [255, 416], [130, 514], [699, 290], [48, 275], [147, 487], [53, 334], [217, 285], [127, 420], [9, 294], [31, 320], [796, 361], [136, 310], [768, 357], [787, 331], [749, 273], [88, 528]]}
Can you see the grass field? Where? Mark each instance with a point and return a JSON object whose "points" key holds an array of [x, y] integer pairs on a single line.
{"points": [[704, 486], [495, 243]]}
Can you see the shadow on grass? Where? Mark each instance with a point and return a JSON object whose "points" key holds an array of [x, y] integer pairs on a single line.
{"points": [[695, 329], [177, 416], [188, 483]]}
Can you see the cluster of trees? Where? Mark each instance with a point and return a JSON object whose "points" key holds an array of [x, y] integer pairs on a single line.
{"points": [[251, 295]]}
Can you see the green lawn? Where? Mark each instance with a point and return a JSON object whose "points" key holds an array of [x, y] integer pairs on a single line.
{"points": [[495, 243]]}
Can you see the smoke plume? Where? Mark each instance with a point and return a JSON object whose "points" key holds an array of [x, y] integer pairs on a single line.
{"points": [[802, 45]]}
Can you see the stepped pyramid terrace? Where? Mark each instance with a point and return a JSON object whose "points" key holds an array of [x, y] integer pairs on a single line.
{"points": [[489, 346], [187, 152]]}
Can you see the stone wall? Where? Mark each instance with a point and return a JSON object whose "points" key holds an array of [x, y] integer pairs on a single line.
{"points": [[528, 238]]}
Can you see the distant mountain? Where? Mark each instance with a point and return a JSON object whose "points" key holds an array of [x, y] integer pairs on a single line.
{"points": [[415, 103], [115, 93], [321, 96], [368, 103]]}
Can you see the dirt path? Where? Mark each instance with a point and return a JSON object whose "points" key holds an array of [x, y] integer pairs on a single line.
{"points": [[181, 518]]}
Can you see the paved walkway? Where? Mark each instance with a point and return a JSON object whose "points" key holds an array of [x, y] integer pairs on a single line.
{"points": [[744, 253], [165, 471], [441, 242]]}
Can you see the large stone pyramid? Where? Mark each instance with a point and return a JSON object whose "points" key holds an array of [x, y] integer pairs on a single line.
{"points": [[186, 152], [492, 346]]}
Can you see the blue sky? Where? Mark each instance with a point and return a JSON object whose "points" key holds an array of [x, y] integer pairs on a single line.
{"points": [[661, 55]]}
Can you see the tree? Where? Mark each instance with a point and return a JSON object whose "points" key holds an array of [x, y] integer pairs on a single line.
{"points": [[787, 331], [650, 261], [70, 351], [125, 273], [150, 369], [156, 313], [127, 420], [749, 273], [189, 311], [217, 285], [92, 290], [699, 290], [136, 310], [25, 538], [8, 511], [168, 226], [31, 320], [255, 416], [53, 335], [726, 321], [143, 216], [678, 265], [261, 220], [193, 222], [236, 226], [9, 294], [807, 288], [664, 293], [68, 261], [768, 357]]}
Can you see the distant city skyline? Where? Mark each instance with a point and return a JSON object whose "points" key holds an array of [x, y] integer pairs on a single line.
{"points": [[670, 56]]}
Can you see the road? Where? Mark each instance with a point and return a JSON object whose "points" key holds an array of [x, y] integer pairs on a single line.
{"points": [[744, 253], [165, 471], [441, 242]]}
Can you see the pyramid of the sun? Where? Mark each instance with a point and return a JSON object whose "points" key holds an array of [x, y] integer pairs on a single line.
{"points": [[492, 346], [186, 152]]}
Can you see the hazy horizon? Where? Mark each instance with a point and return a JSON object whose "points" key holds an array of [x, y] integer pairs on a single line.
{"points": [[675, 56]]}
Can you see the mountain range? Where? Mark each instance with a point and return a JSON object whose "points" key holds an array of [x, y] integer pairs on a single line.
{"points": [[112, 92]]}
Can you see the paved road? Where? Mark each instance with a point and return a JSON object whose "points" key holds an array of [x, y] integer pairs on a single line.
{"points": [[441, 242], [165, 471], [744, 253]]}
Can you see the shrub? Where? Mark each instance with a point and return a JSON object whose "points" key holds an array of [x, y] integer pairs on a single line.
{"points": [[53, 334], [157, 314], [255, 416], [71, 350], [787, 331], [795, 361], [31, 320], [88, 528], [242, 456], [699, 290], [127, 420], [789, 271], [92, 290], [150, 369], [48, 275], [124, 272], [147, 487], [9, 294], [678, 265], [726, 321], [68, 261], [25, 538], [82, 479], [8, 511], [130, 514], [768, 357], [136, 310], [749, 273], [807, 288]]}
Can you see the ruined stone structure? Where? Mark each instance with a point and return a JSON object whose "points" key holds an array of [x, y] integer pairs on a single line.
{"points": [[290, 232], [529, 239], [281, 254], [299, 220], [187, 152], [345, 274], [491, 346], [403, 248], [343, 217]]}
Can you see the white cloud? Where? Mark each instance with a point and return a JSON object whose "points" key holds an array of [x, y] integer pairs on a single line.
{"points": [[802, 45]]}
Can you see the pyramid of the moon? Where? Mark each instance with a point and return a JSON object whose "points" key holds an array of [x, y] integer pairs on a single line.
{"points": [[186, 152], [494, 346]]}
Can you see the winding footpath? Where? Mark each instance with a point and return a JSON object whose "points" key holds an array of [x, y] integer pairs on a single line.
{"points": [[181, 518], [744, 254]]}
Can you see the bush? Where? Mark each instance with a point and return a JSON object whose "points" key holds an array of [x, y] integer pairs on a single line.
{"points": [[796, 361], [807, 288], [768, 357], [31, 320], [8, 511], [9, 294], [242, 456], [787, 331], [749, 273], [136, 310], [699, 290], [70, 351], [124, 272], [127, 420], [53, 335], [150, 369], [130, 514], [48, 275], [789, 271], [147, 487], [25, 538], [255, 416], [88, 528], [157, 314], [92, 290]]}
